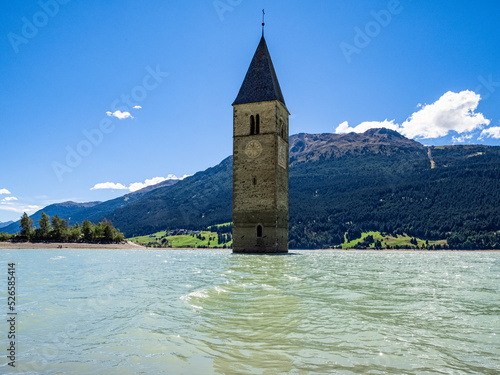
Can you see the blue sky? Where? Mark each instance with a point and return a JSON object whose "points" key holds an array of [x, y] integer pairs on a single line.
{"points": [[429, 69]]}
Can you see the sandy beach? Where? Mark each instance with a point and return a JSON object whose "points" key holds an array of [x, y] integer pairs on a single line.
{"points": [[66, 245]]}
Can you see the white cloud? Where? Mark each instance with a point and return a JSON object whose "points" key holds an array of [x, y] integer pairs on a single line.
{"points": [[451, 112], [29, 209], [493, 132], [137, 107], [153, 181], [119, 114], [364, 126], [461, 139], [108, 185], [8, 199], [140, 185], [137, 185], [12, 204]]}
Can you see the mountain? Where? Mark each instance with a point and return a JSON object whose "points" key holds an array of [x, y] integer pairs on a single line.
{"points": [[105, 209], [197, 201], [5, 223], [317, 147], [92, 211], [341, 185], [346, 184], [63, 210], [206, 198], [399, 193]]}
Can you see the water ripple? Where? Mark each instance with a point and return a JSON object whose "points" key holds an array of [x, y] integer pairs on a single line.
{"points": [[132, 312]]}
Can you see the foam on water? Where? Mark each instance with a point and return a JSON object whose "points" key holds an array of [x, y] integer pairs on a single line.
{"points": [[59, 257]]}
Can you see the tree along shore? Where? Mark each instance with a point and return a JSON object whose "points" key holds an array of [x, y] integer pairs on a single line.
{"points": [[58, 230]]}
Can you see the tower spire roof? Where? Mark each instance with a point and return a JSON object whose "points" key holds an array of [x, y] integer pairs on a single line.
{"points": [[260, 83]]}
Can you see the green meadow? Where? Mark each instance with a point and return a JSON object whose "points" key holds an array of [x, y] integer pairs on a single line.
{"points": [[210, 239], [203, 239], [389, 241]]}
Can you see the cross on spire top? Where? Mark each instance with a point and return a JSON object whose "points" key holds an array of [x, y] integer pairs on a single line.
{"points": [[263, 23]]}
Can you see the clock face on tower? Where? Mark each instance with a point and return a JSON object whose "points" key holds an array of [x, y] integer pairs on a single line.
{"points": [[253, 149]]}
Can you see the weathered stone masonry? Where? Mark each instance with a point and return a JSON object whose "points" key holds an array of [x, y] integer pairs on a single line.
{"points": [[260, 161]]}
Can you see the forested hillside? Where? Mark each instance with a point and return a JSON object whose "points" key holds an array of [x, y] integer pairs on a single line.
{"points": [[396, 194], [196, 202], [92, 211], [341, 186]]}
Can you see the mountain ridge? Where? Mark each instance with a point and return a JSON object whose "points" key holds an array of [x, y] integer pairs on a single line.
{"points": [[5, 223], [76, 212], [310, 147], [378, 180]]}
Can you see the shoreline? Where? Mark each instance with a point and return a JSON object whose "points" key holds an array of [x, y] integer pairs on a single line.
{"points": [[129, 245]]}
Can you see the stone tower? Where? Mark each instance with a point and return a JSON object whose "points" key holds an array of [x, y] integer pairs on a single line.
{"points": [[260, 160]]}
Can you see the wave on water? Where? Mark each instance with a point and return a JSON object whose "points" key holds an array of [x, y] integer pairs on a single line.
{"points": [[59, 257], [213, 313]]}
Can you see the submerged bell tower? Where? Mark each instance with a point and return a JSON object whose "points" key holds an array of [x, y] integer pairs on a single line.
{"points": [[260, 160]]}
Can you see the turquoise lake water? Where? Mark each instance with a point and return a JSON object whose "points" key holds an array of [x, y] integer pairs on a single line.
{"points": [[213, 312]]}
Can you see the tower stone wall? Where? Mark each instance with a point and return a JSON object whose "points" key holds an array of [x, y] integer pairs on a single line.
{"points": [[260, 160], [260, 178]]}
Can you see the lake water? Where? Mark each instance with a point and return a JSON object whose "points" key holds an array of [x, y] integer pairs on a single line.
{"points": [[205, 312]]}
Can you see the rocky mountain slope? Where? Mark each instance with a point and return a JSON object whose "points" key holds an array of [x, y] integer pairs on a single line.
{"points": [[315, 147], [92, 211], [341, 185]]}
